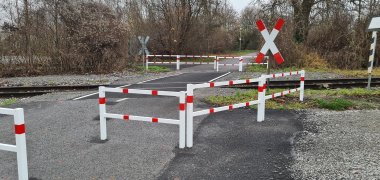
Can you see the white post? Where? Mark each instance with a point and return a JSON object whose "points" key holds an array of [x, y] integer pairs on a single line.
{"points": [[217, 64], [102, 112], [182, 120], [371, 58], [178, 62], [241, 64], [302, 86], [147, 62], [189, 122], [215, 60], [261, 99], [22, 162]]}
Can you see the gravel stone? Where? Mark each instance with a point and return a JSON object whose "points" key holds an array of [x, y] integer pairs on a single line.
{"points": [[338, 145], [61, 80]]}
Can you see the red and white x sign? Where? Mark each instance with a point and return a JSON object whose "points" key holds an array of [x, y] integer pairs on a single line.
{"points": [[269, 38]]}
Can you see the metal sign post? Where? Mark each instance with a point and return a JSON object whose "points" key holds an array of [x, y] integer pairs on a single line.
{"points": [[269, 43], [144, 49], [373, 27]]}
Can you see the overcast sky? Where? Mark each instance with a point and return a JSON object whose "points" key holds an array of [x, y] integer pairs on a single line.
{"points": [[239, 5]]}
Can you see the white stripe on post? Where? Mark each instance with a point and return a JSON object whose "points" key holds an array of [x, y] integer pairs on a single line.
{"points": [[217, 64], [102, 112], [147, 63], [241, 64], [178, 62], [189, 122], [182, 119]]}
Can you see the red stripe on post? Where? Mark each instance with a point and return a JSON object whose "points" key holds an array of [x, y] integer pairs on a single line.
{"points": [[182, 107], [278, 58], [274, 75], [212, 84], [20, 129], [279, 24], [289, 92], [102, 100], [282, 93], [302, 78], [230, 107], [125, 91], [273, 96], [155, 120], [260, 25], [283, 75], [247, 104], [154, 92], [260, 57], [190, 99], [261, 88], [247, 81], [126, 117], [212, 110], [231, 83]]}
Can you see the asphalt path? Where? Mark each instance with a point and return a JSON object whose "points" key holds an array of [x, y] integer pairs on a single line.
{"points": [[63, 139]]}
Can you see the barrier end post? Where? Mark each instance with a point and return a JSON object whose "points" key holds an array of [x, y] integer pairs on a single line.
{"points": [[22, 162], [102, 112], [261, 100], [182, 118], [178, 62], [302, 85], [189, 120]]}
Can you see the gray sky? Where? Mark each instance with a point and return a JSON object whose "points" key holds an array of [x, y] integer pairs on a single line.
{"points": [[239, 5]]}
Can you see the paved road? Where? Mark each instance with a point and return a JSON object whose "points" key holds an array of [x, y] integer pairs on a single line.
{"points": [[63, 139]]}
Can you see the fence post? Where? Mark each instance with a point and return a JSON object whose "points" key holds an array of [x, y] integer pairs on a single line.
{"points": [[182, 119], [22, 162], [178, 62], [261, 99], [216, 58], [147, 62], [241, 64], [217, 64], [102, 112], [302, 85], [189, 120]]}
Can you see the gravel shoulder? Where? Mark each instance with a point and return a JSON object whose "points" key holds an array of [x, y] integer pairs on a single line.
{"points": [[338, 145]]}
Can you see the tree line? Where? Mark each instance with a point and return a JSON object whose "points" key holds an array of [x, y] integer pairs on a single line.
{"points": [[100, 36]]}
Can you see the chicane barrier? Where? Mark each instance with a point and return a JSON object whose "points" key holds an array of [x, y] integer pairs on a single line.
{"points": [[190, 104], [182, 111], [178, 60], [262, 97], [20, 147], [239, 64], [260, 101]]}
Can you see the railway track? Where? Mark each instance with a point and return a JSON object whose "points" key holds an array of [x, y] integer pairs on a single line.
{"points": [[316, 84], [7, 92], [28, 91]]}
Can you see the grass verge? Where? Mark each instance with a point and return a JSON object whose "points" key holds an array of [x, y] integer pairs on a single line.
{"points": [[337, 99], [240, 53], [8, 102], [154, 69]]}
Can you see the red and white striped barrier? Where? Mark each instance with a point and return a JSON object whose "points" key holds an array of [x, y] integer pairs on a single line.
{"points": [[260, 101], [20, 147], [190, 104], [178, 60], [239, 64], [103, 114], [262, 91]]}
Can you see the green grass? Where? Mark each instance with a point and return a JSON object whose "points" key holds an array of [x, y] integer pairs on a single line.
{"points": [[256, 68], [8, 102], [240, 53], [154, 69], [335, 104], [337, 99]]}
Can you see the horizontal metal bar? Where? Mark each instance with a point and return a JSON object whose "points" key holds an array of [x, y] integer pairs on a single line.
{"points": [[141, 91], [7, 111], [8, 147], [224, 108], [142, 118]]}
